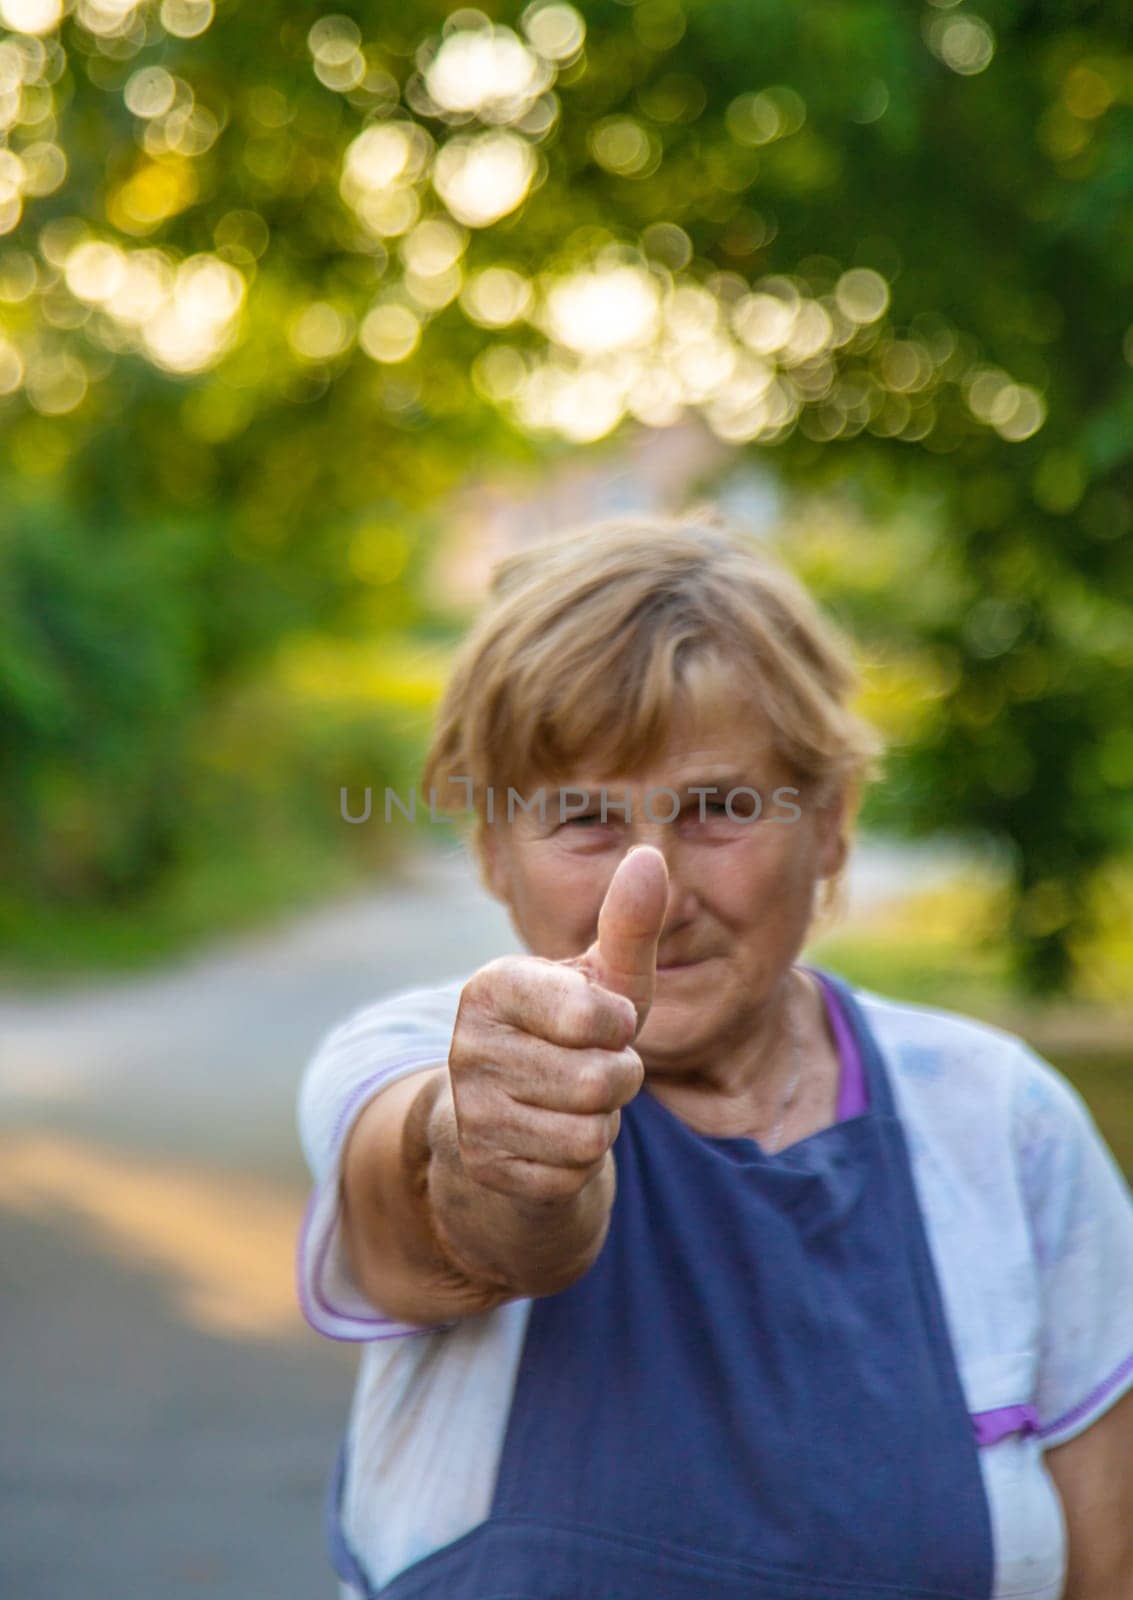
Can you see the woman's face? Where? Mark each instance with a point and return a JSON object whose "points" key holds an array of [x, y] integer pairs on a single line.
{"points": [[741, 888]]}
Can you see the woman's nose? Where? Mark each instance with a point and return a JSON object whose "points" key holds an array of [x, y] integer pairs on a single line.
{"points": [[663, 836]]}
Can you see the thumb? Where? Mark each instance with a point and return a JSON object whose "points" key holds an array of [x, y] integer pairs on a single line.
{"points": [[624, 956]]}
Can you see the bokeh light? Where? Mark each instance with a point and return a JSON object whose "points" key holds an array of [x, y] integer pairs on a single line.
{"points": [[11, 367], [433, 247], [964, 42], [320, 331], [390, 333], [556, 31], [335, 45], [380, 170], [31, 16], [622, 145], [186, 19], [862, 295], [594, 312], [150, 92], [198, 319], [484, 177], [56, 381], [760, 118], [497, 297], [486, 72], [110, 19]]}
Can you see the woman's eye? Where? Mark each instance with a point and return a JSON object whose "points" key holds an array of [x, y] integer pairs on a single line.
{"points": [[588, 816]]}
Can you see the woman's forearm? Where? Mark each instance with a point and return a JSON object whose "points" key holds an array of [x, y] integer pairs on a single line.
{"points": [[528, 1247], [425, 1242]]}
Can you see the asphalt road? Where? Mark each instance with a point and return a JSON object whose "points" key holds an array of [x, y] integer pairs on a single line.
{"points": [[168, 1420]]}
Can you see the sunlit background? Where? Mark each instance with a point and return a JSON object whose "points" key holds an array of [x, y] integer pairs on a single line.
{"points": [[306, 318]]}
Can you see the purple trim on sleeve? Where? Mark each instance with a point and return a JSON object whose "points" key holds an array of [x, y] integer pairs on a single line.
{"points": [[346, 1327], [1097, 1396], [991, 1426], [853, 1091]]}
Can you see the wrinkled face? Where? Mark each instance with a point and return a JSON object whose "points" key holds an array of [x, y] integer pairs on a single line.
{"points": [[741, 886]]}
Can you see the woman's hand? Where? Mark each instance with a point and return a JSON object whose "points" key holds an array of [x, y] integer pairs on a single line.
{"points": [[541, 1060], [491, 1177]]}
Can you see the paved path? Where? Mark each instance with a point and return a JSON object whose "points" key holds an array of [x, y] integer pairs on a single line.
{"points": [[168, 1418]]}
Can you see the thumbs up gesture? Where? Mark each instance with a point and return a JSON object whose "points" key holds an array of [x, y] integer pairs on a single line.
{"points": [[542, 1056], [623, 958]]}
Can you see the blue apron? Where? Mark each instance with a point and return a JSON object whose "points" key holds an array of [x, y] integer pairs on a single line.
{"points": [[751, 1395]]}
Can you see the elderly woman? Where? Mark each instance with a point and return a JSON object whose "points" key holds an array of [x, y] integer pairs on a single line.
{"points": [[684, 1268]]}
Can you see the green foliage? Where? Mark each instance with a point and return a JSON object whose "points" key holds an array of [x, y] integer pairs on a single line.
{"points": [[277, 278]]}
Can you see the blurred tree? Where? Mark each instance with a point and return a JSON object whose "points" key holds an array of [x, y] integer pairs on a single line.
{"points": [[276, 277]]}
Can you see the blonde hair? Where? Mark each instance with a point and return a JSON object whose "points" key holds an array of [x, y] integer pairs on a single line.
{"points": [[583, 656]]}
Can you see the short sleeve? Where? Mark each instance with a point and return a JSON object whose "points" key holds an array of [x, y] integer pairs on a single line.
{"points": [[370, 1050], [1080, 1209]]}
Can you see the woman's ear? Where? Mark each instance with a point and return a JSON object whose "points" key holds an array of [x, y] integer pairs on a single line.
{"points": [[833, 827]]}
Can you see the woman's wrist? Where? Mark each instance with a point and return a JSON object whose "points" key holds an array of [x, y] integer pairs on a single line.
{"points": [[520, 1247]]}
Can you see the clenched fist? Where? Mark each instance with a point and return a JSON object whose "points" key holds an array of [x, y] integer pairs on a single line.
{"points": [[542, 1056]]}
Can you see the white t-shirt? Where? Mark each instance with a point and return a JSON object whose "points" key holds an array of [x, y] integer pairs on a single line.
{"points": [[1029, 1222]]}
